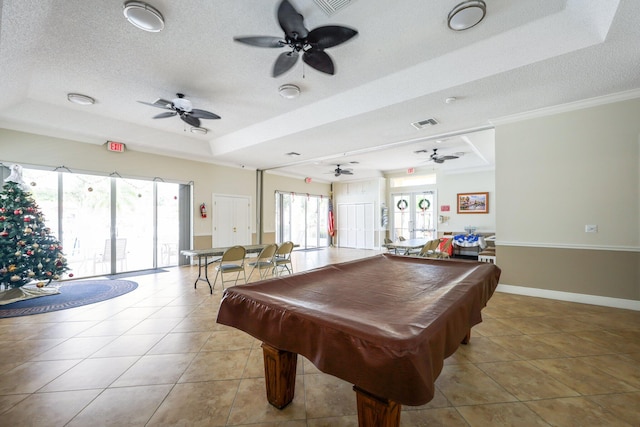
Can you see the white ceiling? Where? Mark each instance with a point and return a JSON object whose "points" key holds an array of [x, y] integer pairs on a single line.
{"points": [[405, 61]]}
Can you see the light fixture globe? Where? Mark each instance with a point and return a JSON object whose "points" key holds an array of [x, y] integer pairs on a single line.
{"points": [[143, 16], [289, 91], [466, 15]]}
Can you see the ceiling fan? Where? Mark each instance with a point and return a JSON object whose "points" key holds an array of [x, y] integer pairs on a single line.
{"points": [[296, 36], [339, 171], [182, 107], [439, 158]]}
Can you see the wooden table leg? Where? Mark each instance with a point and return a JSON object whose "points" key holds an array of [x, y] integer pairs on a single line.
{"points": [[376, 411], [279, 375]]}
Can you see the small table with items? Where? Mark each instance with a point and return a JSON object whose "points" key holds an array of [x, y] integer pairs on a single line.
{"points": [[475, 241]]}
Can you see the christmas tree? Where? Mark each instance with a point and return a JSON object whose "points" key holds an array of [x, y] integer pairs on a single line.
{"points": [[28, 250]]}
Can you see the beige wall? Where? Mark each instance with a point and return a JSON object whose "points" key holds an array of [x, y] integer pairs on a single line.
{"points": [[273, 182], [558, 173], [30, 149]]}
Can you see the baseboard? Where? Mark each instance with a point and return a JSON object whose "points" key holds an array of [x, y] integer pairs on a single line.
{"points": [[571, 297]]}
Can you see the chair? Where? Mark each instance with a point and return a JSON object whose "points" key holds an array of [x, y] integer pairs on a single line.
{"points": [[401, 238], [232, 261], [121, 254], [283, 258], [265, 261], [445, 249], [429, 248], [388, 241]]}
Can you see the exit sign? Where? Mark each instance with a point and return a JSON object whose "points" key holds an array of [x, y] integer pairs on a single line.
{"points": [[118, 147]]}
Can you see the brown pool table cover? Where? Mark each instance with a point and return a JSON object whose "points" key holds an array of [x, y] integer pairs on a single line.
{"points": [[384, 323]]}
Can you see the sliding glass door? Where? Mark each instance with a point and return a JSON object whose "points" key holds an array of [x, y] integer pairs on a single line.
{"points": [[111, 225], [302, 219]]}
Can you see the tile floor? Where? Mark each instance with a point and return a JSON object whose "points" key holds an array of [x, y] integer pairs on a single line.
{"points": [[156, 356]]}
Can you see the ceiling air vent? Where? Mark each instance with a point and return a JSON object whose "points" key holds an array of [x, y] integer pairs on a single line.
{"points": [[424, 123], [332, 6]]}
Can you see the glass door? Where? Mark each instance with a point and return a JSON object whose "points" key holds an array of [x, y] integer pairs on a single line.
{"points": [[134, 225], [302, 219], [413, 216], [110, 224]]}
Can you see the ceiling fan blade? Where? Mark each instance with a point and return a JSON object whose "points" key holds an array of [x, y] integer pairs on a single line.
{"points": [[165, 115], [447, 157], [319, 60], [156, 105], [346, 172], [193, 121], [261, 41], [284, 63], [329, 36], [291, 21], [203, 114]]}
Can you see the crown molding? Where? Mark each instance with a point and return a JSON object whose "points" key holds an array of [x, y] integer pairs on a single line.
{"points": [[568, 107]]}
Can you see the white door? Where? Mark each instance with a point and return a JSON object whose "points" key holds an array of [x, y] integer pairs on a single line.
{"points": [[231, 221], [356, 225]]}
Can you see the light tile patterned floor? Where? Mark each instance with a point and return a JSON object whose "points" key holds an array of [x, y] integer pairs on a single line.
{"points": [[157, 357]]}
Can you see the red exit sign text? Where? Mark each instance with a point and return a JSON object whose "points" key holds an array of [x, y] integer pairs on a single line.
{"points": [[118, 147]]}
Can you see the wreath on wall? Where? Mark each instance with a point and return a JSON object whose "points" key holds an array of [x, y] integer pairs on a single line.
{"points": [[402, 204], [424, 204]]}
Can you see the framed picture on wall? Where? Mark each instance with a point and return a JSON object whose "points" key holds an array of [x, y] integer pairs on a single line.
{"points": [[477, 203]]}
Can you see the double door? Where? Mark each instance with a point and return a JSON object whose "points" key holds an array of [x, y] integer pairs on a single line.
{"points": [[356, 225], [231, 220]]}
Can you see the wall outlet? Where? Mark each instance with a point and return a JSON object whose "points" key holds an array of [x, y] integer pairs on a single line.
{"points": [[590, 228]]}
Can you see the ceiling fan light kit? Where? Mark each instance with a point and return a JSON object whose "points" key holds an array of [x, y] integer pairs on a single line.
{"points": [[182, 107], [310, 45], [466, 15], [143, 16]]}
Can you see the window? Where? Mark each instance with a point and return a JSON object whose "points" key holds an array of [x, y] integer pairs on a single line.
{"points": [[302, 219], [111, 224]]}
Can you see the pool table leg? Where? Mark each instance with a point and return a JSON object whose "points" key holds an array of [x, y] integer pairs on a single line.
{"points": [[280, 375], [376, 411]]}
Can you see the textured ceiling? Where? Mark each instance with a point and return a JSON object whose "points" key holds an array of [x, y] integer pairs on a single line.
{"points": [[400, 68]]}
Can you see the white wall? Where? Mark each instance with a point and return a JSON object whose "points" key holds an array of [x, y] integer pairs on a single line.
{"points": [[448, 187]]}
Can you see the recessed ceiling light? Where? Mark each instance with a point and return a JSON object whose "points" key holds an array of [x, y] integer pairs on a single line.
{"points": [[143, 16], [289, 91], [80, 99], [466, 15]]}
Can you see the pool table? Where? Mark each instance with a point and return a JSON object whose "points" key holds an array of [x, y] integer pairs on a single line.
{"points": [[385, 324]]}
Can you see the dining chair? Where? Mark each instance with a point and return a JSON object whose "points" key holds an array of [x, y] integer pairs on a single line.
{"points": [[265, 261], [429, 248], [232, 261], [388, 241], [444, 251], [282, 259]]}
